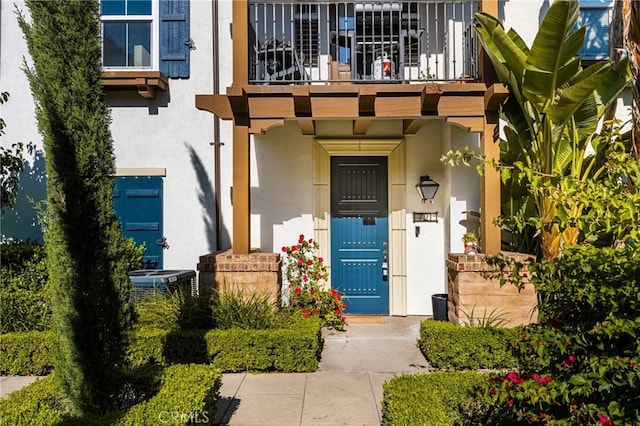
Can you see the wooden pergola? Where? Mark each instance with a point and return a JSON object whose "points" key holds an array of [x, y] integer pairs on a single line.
{"points": [[256, 108]]}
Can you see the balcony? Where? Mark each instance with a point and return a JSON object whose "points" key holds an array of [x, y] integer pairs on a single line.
{"points": [[317, 43]]}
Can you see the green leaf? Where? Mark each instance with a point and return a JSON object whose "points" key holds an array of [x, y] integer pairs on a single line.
{"points": [[549, 53]]}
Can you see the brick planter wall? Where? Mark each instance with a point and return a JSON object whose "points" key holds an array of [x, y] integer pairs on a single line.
{"points": [[256, 272], [468, 290]]}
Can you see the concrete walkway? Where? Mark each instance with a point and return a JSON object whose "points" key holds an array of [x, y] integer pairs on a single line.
{"points": [[346, 390]]}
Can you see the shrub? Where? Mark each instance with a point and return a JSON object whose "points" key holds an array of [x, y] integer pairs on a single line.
{"points": [[580, 363], [19, 257], [24, 310], [186, 394], [24, 301], [428, 399], [306, 275], [232, 308], [293, 349], [26, 353], [296, 348], [449, 346]]}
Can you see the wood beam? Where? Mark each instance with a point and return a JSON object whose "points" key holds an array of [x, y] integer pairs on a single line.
{"points": [[360, 126], [216, 104], [411, 127], [271, 107], [263, 125], [495, 96], [472, 124], [240, 36], [490, 188], [461, 106], [398, 106], [241, 190], [307, 126]]}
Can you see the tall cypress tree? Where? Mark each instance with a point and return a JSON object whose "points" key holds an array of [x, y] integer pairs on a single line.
{"points": [[83, 239]]}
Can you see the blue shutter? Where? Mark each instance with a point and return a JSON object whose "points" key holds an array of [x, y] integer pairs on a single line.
{"points": [[174, 38]]}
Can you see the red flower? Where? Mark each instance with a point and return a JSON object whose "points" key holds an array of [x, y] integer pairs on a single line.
{"points": [[301, 239], [304, 278], [298, 290], [305, 313], [344, 306], [310, 240], [571, 358], [311, 291], [334, 293], [300, 261], [510, 403], [318, 276], [343, 319], [315, 311], [309, 262], [515, 378], [542, 380], [284, 249], [604, 419], [320, 260], [338, 311], [294, 248]]}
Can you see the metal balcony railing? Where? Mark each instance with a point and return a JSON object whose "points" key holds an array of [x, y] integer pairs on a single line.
{"points": [[316, 42]]}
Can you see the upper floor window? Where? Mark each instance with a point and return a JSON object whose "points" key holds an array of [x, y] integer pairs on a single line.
{"points": [[127, 28], [596, 16], [147, 34]]}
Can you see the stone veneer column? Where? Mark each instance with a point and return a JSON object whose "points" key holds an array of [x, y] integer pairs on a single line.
{"points": [[258, 273], [468, 290]]}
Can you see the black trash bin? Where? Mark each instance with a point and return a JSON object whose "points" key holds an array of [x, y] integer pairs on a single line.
{"points": [[439, 303]]}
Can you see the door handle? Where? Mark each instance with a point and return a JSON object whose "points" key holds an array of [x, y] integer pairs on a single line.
{"points": [[385, 264]]}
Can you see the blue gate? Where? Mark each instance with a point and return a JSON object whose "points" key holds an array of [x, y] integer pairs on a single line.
{"points": [[359, 233], [137, 201]]}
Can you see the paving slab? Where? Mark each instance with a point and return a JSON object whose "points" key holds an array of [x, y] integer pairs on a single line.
{"points": [[9, 384]]}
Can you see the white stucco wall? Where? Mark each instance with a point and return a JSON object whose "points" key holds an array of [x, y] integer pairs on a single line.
{"points": [[426, 251], [281, 188], [167, 132], [19, 117]]}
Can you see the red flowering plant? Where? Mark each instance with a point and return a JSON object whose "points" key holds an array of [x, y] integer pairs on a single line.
{"points": [[579, 364], [306, 275]]}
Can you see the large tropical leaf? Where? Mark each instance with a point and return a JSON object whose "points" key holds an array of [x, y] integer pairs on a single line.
{"points": [[505, 52], [550, 51], [602, 79]]}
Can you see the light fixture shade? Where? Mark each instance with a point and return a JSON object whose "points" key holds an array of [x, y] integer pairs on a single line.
{"points": [[427, 188]]}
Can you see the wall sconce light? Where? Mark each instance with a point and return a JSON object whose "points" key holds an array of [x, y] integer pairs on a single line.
{"points": [[427, 188]]}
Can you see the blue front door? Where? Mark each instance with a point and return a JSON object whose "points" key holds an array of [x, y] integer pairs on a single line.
{"points": [[137, 201], [359, 229]]}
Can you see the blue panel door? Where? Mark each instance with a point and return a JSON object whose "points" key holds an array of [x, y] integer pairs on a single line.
{"points": [[359, 233], [138, 204]]}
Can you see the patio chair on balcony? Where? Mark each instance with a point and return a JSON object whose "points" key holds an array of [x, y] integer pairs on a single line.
{"points": [[281, 61]]}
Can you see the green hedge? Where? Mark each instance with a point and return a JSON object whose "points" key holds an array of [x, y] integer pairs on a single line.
{"points": [[293, 349], [428, 398], [449, 346], [187, 394], [26, 353]]}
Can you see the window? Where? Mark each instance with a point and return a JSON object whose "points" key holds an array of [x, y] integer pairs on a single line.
{"points": [[127, 28], [595, 15], [146, 34]]}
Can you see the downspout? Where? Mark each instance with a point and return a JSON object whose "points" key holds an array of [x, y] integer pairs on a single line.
{"points": [[216, 121]]}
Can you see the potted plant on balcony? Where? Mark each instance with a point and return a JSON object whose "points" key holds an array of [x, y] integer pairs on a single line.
{"points": [[470, 243]]}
